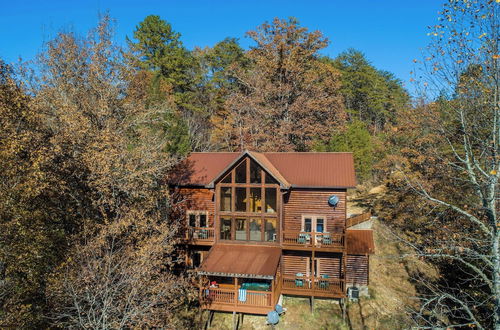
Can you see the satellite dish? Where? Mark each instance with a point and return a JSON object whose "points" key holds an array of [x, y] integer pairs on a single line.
{"points": [[333, 200]]}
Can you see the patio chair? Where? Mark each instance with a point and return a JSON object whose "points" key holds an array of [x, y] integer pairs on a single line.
{"points": [[203, 234], [299, 282], [324, 284], [302, 239], [327, 240]]}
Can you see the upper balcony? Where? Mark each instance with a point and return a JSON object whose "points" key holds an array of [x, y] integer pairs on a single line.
{"points": [[327, 242], [200, 235]]}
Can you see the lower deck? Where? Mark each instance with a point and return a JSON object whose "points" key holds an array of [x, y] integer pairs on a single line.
{"points": [[246, 296], [296, 273]]}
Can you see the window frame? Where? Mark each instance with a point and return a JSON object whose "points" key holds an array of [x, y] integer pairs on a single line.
{"points": [[263, 215], [314, 218], [197, 214]]}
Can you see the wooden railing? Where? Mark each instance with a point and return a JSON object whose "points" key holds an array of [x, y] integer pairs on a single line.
{"points": [[200, 234], [231, 297], [218, 295], [357, 219], [314, 285], [318, 240]]}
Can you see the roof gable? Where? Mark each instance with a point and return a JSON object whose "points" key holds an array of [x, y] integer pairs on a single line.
{"points": [[262, 161]]}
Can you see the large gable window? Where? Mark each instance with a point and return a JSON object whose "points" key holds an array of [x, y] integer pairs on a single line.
{"points": [[248, 204]]}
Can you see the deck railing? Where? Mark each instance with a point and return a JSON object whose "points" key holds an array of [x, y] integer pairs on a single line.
{"points": [[318, 285], [232, 297], [318, 240], [206, 234]]}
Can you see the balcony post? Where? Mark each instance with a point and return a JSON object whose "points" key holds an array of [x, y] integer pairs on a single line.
{"points": [[236, 295]]}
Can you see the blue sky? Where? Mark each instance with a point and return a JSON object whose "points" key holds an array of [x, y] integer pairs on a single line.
{"points": [[390, 32]]}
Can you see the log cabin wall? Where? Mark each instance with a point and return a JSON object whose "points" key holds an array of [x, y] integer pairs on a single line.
{"points": [[199, 199], [357, 269], [301, 262], [299, 202], [329, 264], [294, 262]]}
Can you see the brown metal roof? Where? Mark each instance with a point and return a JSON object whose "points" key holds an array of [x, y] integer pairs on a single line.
{"points": [[298, 169], [201, 167], [360, 241], [256, 261], [315, 169]]}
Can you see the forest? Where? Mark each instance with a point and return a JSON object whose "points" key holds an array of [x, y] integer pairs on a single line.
{"points": [[93, 128]]}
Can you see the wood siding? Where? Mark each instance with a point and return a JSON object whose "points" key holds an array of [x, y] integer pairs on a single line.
{"points": [[198, 199], [301, 202], [294, 262], [357, 269], [330, 265], [300, 262]]}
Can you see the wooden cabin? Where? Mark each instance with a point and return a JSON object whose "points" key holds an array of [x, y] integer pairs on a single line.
{"points": [[262, 225]]}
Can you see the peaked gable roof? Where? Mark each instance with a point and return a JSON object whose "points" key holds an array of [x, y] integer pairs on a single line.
{"points": [[291, 169], [259, 159]]}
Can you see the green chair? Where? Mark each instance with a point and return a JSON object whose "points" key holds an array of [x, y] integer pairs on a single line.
{"points": [[298, 281], [203, 234], [323, 284], [302, 238]]}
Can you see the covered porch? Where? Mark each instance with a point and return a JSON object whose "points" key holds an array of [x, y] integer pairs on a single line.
{"points": [[241, 278]]}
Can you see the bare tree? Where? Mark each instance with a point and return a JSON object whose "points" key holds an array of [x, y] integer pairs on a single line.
{"points": [[462, 65]]}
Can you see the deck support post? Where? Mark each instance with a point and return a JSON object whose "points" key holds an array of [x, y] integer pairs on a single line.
{"points": [[208, 323], [235, 325], [239, 321], [311, 303], [342, 303]]}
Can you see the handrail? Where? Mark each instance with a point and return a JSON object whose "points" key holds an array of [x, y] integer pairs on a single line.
{"points": [[314, 284], [231, 296], [309, 239], [200, 233]]}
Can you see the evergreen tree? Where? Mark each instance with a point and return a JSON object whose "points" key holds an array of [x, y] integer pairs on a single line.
{"points": [[356, 139], [370, 95]]}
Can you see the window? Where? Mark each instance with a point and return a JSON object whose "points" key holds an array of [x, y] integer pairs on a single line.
{"points": [[270, 200], [255, 172], [313, 223], [225, 228], [270, 230], [307, 227], [228, 178], [225, 200], [255, 200], [241, 172], [203, 220], [241, 199], [255, 229], [248, 204], [241, 229], [197, 218], [192, 220], [270, 179]]}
